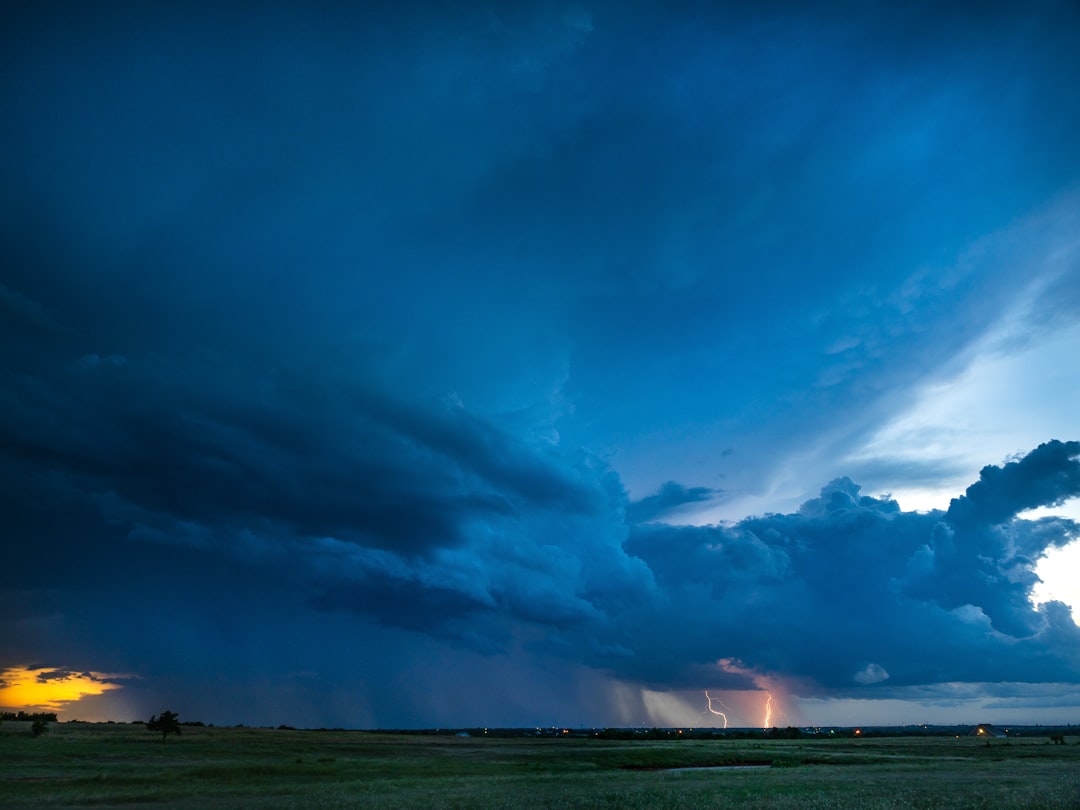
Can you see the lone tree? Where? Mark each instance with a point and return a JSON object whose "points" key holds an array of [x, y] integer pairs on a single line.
{"points": [[167, 723]]}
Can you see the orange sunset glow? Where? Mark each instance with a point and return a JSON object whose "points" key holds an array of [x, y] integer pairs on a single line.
{"points": [[50, 689]]}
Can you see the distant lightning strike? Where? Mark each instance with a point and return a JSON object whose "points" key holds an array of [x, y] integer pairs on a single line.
{"points": [[770, 710], [709, 698], [761, 681]]}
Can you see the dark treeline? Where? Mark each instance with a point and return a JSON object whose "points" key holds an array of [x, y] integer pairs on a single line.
{"points": [[48, 717], [706, 733], [710, 733]]}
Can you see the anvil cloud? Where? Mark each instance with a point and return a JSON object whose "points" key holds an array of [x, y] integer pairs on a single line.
{"points": [[403, 366]]}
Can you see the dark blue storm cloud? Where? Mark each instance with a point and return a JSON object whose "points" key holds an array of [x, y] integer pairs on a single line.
{"points": [[347, 349], [671, 496], [852, 580]]}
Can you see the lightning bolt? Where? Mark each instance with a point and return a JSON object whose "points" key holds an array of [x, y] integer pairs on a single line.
{"points": [[762, 682], [770, 710], [709, 698]]}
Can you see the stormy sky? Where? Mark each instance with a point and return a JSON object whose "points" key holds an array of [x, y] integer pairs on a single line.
{"points": [[540, 363]]}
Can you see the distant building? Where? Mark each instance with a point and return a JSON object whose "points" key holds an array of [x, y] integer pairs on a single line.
{"points": [[987, 730]]}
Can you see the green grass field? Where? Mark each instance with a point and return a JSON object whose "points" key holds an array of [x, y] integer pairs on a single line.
{"points": [[106, 765]]}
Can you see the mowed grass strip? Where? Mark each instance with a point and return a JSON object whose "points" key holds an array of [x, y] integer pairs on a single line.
{"points": [[112, 765]]}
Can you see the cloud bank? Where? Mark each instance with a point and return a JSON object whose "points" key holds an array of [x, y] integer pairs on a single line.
{"points": [[436, 522]]}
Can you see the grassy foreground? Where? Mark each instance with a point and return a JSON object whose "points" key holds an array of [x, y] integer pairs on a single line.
{"points": [[105, 765]]}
